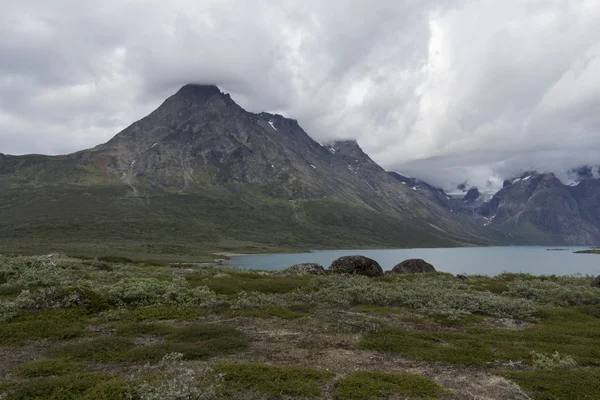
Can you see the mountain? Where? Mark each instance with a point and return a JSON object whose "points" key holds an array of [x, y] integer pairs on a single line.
{"points": [[537, 208], [201, 172]]}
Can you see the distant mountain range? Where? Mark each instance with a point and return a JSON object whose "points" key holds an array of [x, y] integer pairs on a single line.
{"points": [[200, 171]]}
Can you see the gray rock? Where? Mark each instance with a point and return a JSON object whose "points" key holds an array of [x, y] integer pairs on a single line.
{"points": [[308, 268], [356, 265], [461, 277], [472, 195], [596, 282], [413, 266]]}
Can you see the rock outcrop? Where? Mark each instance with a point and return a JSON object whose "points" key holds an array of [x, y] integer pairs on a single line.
{"points": [[413, 266], [356, 265], [472, 195], [308, 268]]}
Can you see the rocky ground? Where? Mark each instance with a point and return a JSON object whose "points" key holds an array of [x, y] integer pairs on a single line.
{"points": [[86, 329]]}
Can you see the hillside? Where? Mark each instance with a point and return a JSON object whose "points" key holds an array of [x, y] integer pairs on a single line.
{"points": [[202, 173]]}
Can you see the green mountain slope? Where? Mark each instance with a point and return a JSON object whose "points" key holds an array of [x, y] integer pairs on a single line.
{"points": [[200, 173]]}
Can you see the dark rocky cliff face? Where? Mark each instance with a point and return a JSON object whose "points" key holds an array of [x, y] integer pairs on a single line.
{"points": [[538, 208]]}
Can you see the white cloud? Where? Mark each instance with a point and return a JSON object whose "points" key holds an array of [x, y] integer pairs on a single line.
{"points": [[446, 91]]}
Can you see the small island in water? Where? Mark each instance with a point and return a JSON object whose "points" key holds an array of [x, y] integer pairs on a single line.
{"points": [[116, 328]]}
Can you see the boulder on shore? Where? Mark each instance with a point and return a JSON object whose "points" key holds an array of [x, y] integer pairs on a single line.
{"points": [[413, 266], [308, 268], [356, 265], [596, 282]]}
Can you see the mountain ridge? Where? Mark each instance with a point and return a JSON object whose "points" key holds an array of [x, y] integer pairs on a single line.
{"points": [[199, 145], [201, 170]]}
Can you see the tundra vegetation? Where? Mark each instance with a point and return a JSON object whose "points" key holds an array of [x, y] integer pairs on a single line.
{"points": [[115, 328]]}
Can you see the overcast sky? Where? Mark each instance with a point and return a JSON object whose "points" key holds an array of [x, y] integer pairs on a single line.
{"points": [[442, 90]]}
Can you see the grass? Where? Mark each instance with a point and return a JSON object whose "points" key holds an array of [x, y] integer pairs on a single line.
{"points": [[366, 385], [271, 312], [576, 384], [83, 386], [166, 313], [248, 282], [193, 341], [568, 331], [190, 351], [53, 367], [46, 325], [102, 349], [274, 380]]}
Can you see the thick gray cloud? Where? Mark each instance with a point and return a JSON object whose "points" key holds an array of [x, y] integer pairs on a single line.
{"points": [[446, 91]]}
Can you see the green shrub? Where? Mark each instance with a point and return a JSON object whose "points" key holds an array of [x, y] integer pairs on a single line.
{"points": [[254, 300], [193, 341], [271, 312], [48, 325], [37, 369], [431, 294], [102, 266], [137, 329], [564, 330], [190, 351], [188, 385], [99, 349], [236, 282], [61, 298], [552, 361], [9, 290], [580, 384], [201, 332], [274, 380], [377, 385], [115, 259], [67, 387], [186, 333], [176, 381], [358, 326], [139, 292], [563, 292], [175, 313], [114, 389]]}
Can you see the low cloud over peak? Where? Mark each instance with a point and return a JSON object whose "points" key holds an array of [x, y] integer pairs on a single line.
{"points": [[446, 91]]}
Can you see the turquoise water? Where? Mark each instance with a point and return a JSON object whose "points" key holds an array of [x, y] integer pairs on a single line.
{"points": [[465, 260]]}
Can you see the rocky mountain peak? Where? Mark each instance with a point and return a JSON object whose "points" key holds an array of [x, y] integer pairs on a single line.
{"points": [[472, 195], [198, 91], [348, 149]]}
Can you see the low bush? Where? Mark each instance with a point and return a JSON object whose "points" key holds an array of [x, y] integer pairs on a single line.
{"points": [[274, 380], [561, 292], [140, 292], [104, 349], [377, 385], [190, 351], [237, 282], [552, 361], [83, 386], [437, 295], [271, 312], [48, 325], [61, 298], [175, 381], [567, 331], [577, 384], [254, 300], [41, 368]]}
